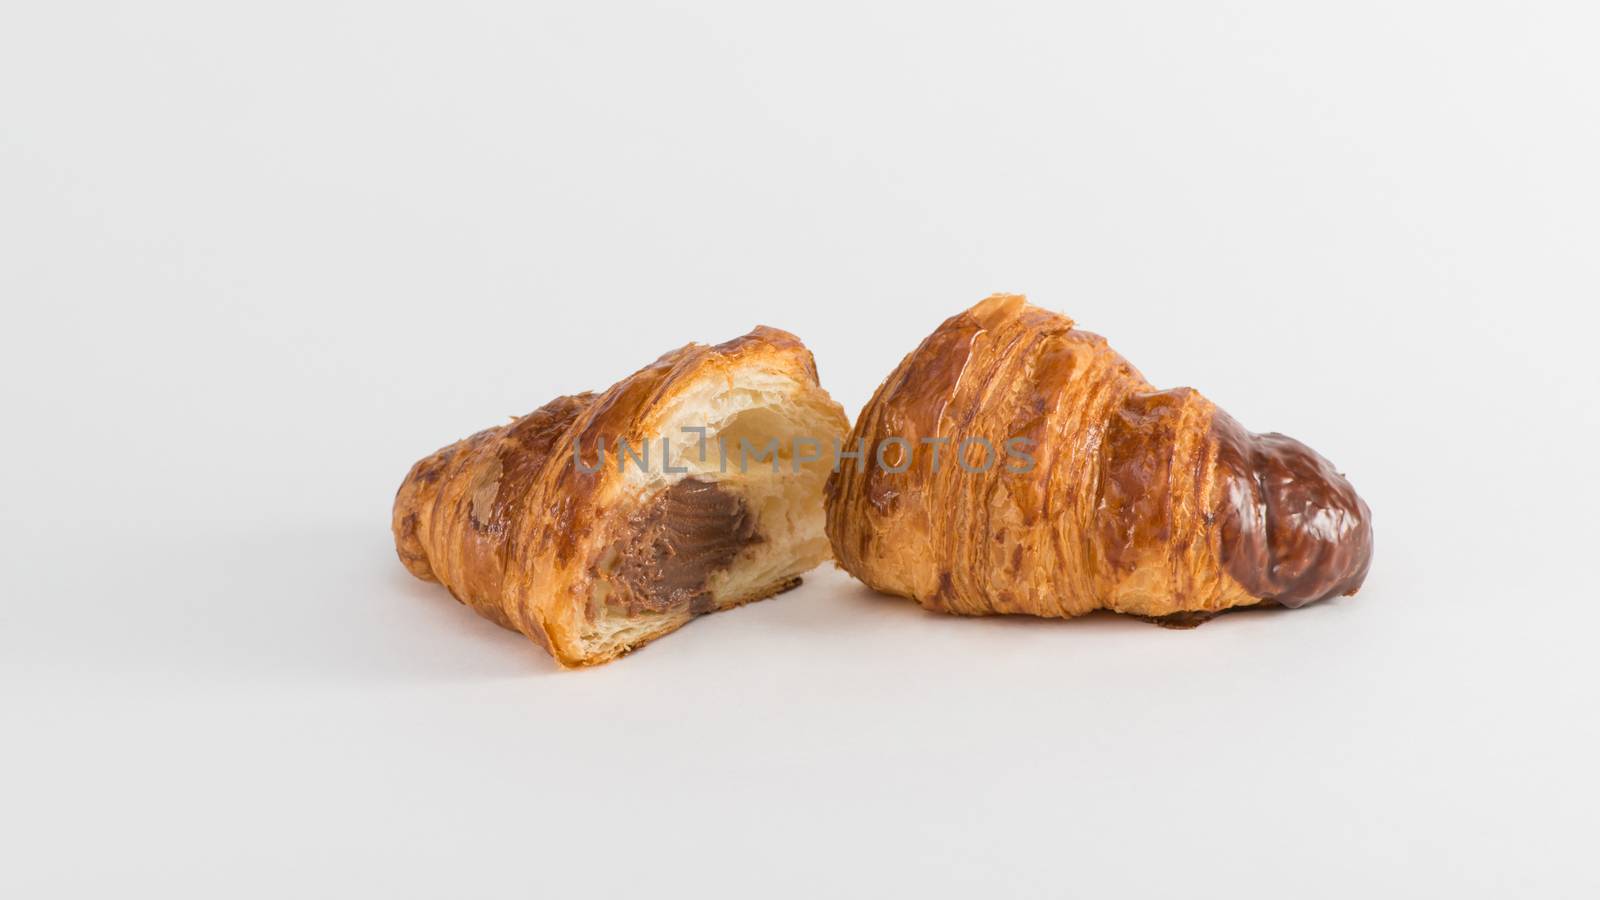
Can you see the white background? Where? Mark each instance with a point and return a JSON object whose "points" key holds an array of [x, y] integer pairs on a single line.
{"points": [[256, 260]]}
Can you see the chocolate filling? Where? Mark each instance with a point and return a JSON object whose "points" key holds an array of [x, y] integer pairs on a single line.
{"points": [[1293, 529], [688, 532]]}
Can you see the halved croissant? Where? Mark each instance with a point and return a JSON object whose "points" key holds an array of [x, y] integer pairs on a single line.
{"points": [[1101, 493], [549, 527]]}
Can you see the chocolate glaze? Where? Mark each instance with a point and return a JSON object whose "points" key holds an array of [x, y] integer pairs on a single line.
{"points": [[1293, 529], [690, 531]]}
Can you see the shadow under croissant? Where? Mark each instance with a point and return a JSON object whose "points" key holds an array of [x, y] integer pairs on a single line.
{"points": [[1182, 621], [495, 653]]}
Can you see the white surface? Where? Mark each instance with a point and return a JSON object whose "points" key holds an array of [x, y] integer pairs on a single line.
{"points": [[256, 262]]}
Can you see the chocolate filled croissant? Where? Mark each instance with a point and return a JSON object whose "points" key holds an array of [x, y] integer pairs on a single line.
{"points": [[599, 522], [1100, 492]]}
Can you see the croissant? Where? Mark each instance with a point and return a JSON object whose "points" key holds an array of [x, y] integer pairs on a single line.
{"points": [[1100, 492], [561, 526]]}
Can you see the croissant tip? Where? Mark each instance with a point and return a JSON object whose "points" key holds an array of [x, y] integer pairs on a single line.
{"points": [[997, 309]]}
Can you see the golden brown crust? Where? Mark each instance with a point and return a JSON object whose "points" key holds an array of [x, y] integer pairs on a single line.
{"points": [[508, 523], [1139, 501]]}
